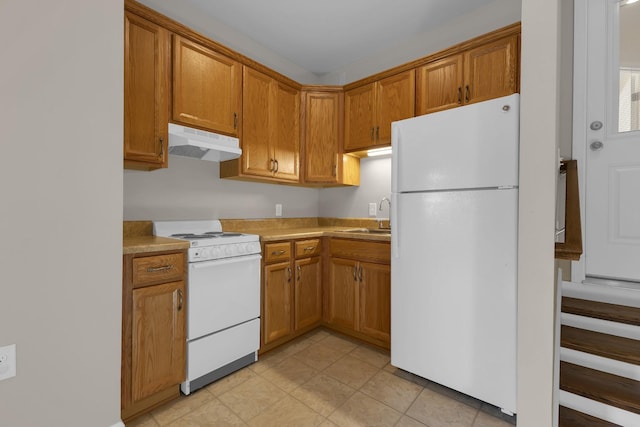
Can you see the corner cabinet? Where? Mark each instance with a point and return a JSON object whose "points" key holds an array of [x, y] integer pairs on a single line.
{"points": [[146, 93], [358, 294], [270, 138], [489, 70], [322, 142], [370, 109], [206, 88], [153, 330], [291, 290]]}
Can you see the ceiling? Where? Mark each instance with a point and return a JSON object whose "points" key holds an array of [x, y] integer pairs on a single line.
{"points": [[323, 36]]}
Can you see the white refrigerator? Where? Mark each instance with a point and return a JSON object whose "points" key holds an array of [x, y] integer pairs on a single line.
{"points": [[454, 248]]}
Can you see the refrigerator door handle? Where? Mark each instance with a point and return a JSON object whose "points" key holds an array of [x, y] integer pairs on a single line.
{"points": [[393, 223]]}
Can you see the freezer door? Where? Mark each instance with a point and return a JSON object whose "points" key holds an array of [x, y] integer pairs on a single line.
{"points": [[453, 291], [475, 146]]}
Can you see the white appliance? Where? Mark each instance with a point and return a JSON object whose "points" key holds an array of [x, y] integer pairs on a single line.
{"points": [[189, 142], [223, 299], [454, 248]]}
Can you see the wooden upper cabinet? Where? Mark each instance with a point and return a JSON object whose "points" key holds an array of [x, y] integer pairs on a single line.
{"points": [[439, 85], [491, 70], [370, 109], [206, 88], [271, 129], [395, 101], [146, 93], [286, 140], [359, 104], [322, 136], [485, 72]]}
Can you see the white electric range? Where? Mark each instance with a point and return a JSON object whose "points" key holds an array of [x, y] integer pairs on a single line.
{"points": [[223, 299]]}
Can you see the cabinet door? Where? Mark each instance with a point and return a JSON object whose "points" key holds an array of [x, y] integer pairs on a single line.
{"points": [[277, 321], [206, 88], [395, 101], [341, 310], [257, 154], [158, 338], [491, 70], [146, 86], [359, 130], [322, 136], [308, 292], [374, 317], [439, 85], [286, 135]]}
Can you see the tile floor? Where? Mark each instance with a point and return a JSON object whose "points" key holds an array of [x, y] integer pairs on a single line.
{"points": [[324, 379]]}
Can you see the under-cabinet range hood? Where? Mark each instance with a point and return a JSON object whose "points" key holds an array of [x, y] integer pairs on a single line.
{"points": [[199, 144]]}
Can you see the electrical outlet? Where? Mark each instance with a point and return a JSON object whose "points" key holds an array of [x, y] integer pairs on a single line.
{"points": [[278, 209], [7, 362], [372, 209]]}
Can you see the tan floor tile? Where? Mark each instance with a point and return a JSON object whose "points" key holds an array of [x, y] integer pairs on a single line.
{"points": [[327, 423], [392, 390], [351, 371], [437, 410], [409, 422], [289, 374], [269, 360], [225, 384], [287, 412], [252, 397], [373, 356], [318, 335], [181, 406], [297, 345], [212, 413], [323, 394], [361, 410], [486, 420], [143, 421], [339, 343], [318, 355]]}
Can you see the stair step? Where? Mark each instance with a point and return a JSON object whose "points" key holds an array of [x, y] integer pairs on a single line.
{"points": [[604, 345], [601, 310], [603, 387], [571, 418]]}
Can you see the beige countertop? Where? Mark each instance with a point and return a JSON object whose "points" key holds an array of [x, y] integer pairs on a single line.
{"points": [[315, 232], [139, 244]]}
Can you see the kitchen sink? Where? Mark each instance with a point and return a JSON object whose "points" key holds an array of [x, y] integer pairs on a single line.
{"points": [[367, 230]]}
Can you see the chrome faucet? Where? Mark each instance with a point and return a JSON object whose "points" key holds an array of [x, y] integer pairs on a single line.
{"points": [[384, 199]]}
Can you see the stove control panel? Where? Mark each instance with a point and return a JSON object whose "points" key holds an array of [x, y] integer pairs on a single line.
{"points": [[228, 250]]}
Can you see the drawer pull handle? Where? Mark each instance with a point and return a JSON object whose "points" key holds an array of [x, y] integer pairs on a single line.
{"points": [[278, 252], [180, 300], [158, 269], [309, 248]]}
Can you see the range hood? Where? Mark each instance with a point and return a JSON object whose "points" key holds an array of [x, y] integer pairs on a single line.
{"points": [[199, 144]]}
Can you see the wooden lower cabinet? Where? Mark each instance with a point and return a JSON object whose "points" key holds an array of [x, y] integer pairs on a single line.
{"points": [[153, 331], [291, 290], [358, 297]]}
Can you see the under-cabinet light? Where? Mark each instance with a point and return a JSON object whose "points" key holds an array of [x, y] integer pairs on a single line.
{"points": [[379, 151]]}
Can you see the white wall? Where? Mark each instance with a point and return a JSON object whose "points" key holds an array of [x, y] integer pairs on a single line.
{"points": [[352, 202], [538, 171], [61, 191], [192, 189], [494, 15]]}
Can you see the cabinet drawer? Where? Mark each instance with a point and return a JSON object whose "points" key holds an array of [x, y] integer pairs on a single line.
{"points": [[379, 252], [307, 248], [274, 252], [158, 268]]}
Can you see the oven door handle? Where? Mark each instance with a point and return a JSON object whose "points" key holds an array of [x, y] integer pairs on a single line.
{"points": [[204, 264]]}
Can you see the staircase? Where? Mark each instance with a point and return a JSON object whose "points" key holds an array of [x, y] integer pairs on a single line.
{"points": [[599, 356]]}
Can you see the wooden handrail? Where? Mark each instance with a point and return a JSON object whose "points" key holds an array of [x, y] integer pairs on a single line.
{"points": [[571, 248]]}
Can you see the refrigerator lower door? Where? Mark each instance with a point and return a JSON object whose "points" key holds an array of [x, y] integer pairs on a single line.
{"points": [[453, 291]]}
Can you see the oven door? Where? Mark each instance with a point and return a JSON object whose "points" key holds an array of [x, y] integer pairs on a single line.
{"points": [[222, 293]]}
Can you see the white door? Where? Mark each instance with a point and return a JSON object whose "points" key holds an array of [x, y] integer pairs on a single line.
{"points": [[607, 136]]}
